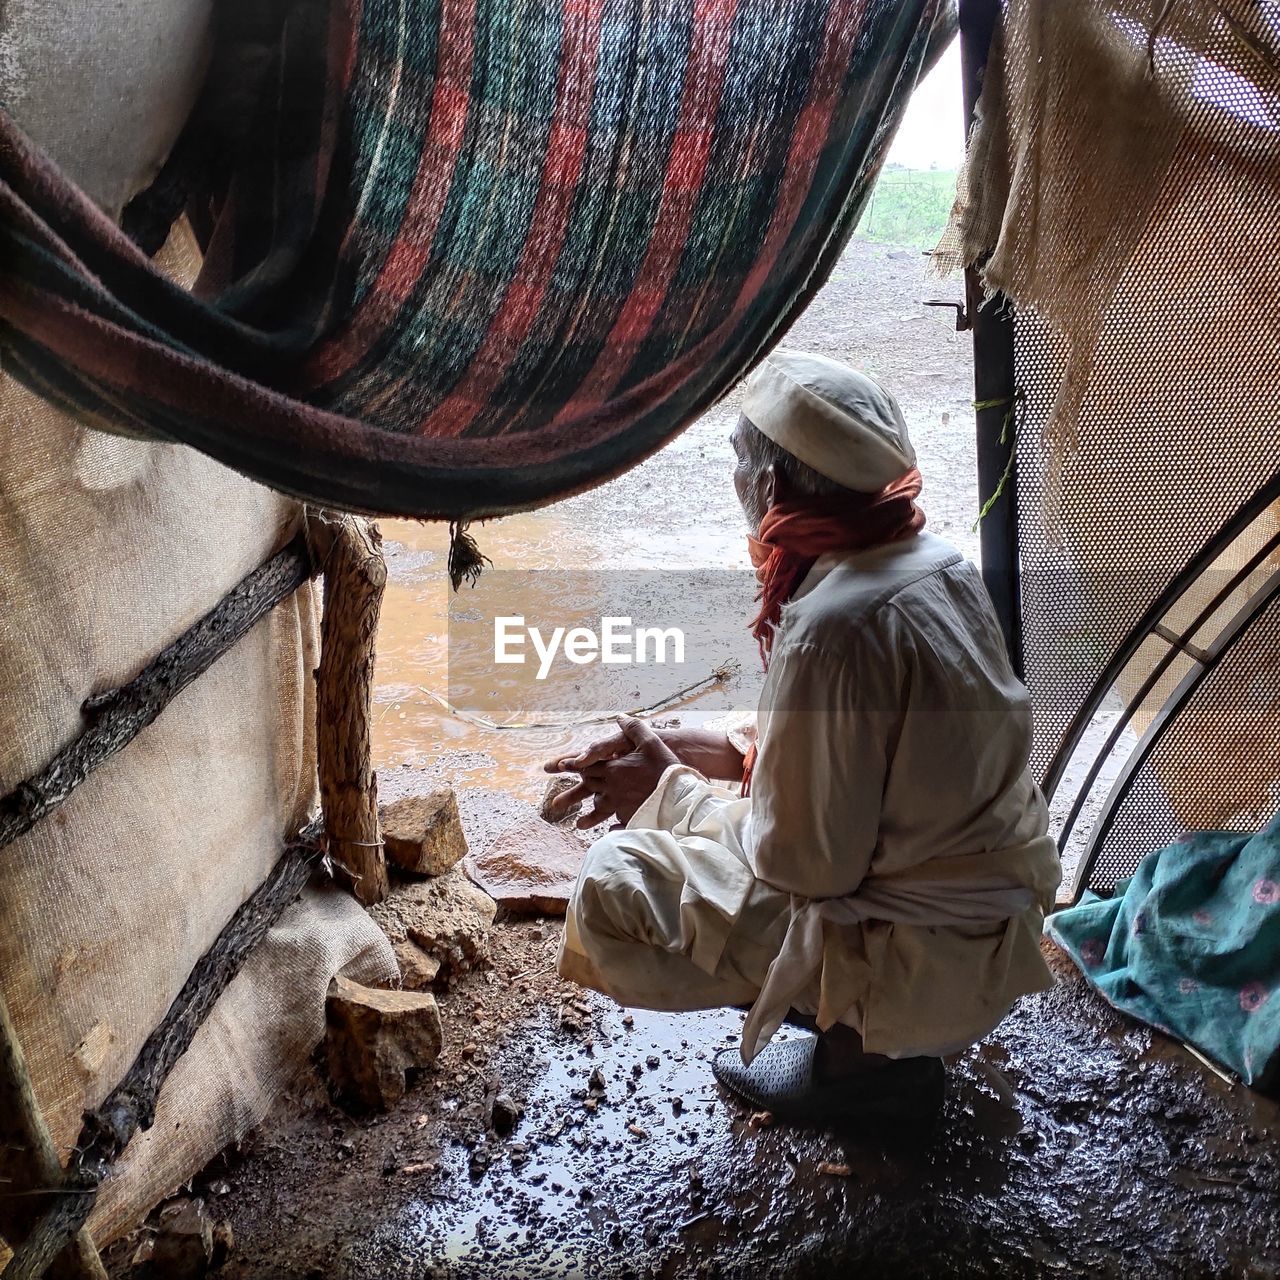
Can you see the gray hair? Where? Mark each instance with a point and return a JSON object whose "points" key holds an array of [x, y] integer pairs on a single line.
{"points": [[762, 453]]}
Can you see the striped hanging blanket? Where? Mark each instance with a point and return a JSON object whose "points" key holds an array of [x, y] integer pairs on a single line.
{"points": [[475, 254]]}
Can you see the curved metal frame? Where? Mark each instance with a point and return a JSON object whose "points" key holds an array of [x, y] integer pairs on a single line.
{"points": [[1177, 645], [1146, 625], [1223, 643]]}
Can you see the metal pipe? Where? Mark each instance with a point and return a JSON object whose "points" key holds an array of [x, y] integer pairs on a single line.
{"points": [[993, 379], [1177, 645]]}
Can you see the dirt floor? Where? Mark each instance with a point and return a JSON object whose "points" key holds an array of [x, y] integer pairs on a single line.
{"points": [[1073, 1142]]}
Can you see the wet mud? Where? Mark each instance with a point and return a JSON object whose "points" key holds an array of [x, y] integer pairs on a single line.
{"points": [[1073, 1142]]}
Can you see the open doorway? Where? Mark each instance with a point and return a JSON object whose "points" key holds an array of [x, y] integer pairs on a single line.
{"points": [[677, 512]]}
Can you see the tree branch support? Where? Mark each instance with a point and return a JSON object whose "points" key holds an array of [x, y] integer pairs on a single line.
{"points": [[355, 573]]}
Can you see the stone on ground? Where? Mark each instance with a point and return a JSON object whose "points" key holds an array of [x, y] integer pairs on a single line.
{"points": [[418, 970], [447, 916], [504, 1115], [187, 1244], [530, 869], [563, 782], [374, 1037], [423, 833]]}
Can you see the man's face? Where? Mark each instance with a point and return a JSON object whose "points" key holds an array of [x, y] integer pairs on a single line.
{"points": [[749, 488]]}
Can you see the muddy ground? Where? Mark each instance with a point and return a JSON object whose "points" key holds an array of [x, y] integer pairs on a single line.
{"points": [[1073, 1142]]}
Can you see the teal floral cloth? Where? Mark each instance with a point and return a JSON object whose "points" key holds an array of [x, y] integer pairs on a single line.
{"points": [[1191, 945]]}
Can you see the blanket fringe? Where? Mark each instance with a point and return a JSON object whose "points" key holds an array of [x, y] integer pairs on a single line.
{"points": [[466, 560]]}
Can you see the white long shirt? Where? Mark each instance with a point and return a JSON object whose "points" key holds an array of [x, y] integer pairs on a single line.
{"points": [[892, 800]]}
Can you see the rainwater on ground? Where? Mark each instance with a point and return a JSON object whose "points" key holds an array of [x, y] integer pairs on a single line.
{"points": [[1048, 1159], [1073, 1142]]}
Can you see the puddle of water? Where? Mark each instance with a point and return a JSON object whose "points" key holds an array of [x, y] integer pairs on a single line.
{"points": [[589, 1169], [629, 1149], [409, 727], [567, 545]]}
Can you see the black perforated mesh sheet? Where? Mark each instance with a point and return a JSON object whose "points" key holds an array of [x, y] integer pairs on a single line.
{"points": [[1234, 707], [1138, 502], [1165, 421]]}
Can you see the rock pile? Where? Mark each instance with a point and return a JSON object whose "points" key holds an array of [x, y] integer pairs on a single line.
{"points": [[447, 918], [438, 923]]}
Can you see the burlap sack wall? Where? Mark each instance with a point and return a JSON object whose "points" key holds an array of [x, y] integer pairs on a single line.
{"points": [[104, 88], [108, 549]]}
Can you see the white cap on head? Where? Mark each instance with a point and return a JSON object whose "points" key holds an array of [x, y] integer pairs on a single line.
{"points": [[834, 419]]}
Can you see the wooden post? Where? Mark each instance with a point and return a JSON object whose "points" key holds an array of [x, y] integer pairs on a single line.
{"points": [[29, 1162], [350, 552], [117, 716]]}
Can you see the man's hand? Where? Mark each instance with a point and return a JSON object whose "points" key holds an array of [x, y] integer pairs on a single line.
{"points": [[707, 750], [620, 772]]}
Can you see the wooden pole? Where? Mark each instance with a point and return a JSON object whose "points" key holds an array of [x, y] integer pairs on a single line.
{"points": [[131, 1104], [350, 552], [116, 717], [28, 1163]]}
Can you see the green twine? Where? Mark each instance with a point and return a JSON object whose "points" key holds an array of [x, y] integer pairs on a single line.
{"points": [[1010, 416]]}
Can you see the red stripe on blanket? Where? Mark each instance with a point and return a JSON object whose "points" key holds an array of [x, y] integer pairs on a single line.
{"points": [[807, 143], [566, 148], [808, 139], [686, 167], [346, 43], [409, 253]]}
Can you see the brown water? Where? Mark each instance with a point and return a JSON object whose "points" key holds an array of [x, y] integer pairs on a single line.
{"points": [[558, 553], [410, 727]]}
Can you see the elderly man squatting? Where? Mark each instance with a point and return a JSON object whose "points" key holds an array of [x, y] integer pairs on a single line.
{"points": [[883, 877]]}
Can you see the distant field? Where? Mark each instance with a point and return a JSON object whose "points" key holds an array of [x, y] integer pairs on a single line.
{"points": [[909, 207]]}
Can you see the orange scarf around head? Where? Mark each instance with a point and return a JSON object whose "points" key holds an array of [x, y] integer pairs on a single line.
{"points": [[794, 534]]}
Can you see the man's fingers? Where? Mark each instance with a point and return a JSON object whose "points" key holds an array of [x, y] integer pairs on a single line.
{"points": [[561, 803], [637, 733], [646, 740], [616, 744], [598, 813], [608, 748]]}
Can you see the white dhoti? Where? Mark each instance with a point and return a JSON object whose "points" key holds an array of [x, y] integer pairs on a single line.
{"points": [[668, 915], [657, 929]]}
